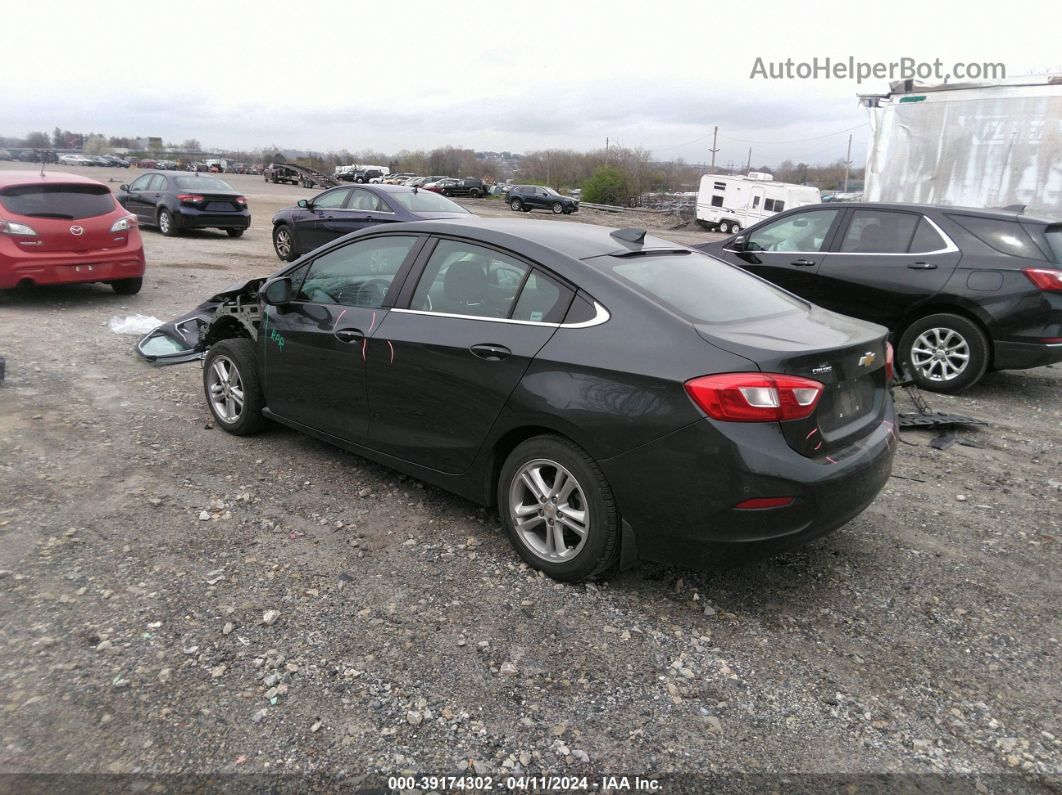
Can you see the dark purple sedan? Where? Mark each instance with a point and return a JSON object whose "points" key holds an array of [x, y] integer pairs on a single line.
{"points": [[339, 211]]}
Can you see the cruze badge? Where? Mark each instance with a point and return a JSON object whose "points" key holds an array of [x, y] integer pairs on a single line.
{"points": [[867, 359], [77, 230], [822, 369]]}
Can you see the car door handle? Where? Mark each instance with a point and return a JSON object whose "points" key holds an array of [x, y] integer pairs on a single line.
{"points": [[491, 352], [349, 335], [803, 263], [922, 266]]}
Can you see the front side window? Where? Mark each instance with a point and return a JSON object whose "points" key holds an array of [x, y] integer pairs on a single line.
{"points": [[465, 279], [140, 183], [879, 232], [701, 288], [333, 198], [357, 274], [800, 232]]}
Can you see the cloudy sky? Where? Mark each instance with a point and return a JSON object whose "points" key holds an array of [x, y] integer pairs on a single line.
{"points": [[328, 75]]}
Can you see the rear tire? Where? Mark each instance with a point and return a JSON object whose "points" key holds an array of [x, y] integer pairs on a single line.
{"points": [[572, 556], [235, 232], [127, 286], [232, 388], [724, 227], [516, 205], [944, 353], [168, 223]]}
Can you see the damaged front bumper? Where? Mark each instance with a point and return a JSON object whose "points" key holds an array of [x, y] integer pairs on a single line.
{"points": [[185, 339]]}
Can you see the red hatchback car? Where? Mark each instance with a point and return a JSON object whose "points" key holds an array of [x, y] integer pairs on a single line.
{"points": [[65, 229]]}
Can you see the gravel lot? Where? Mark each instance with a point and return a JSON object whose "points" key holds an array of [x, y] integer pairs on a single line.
{"points": [[175, 599]]}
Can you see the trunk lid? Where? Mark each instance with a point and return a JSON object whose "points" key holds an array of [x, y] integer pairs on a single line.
{"points": [[845, 355]]}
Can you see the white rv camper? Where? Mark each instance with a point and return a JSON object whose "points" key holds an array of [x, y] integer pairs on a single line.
{"points": [[730, 204]]}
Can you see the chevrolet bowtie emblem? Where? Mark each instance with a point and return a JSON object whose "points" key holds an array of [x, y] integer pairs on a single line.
{"points": [[867, 359]]}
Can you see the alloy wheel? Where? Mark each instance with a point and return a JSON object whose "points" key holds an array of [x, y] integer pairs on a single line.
{"points": [[549, 510], [164, 222], [226, 389], [940, 354], [282, 242]]}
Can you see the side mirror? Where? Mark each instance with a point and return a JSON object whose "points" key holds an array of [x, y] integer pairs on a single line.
{"points": [[304, 204], [123, 187], [737, 244], [277, 292]]}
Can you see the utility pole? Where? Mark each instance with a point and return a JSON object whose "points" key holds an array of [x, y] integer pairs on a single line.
{"points": [[606, 151], [714, 149], [748, 168], [847, 162]]}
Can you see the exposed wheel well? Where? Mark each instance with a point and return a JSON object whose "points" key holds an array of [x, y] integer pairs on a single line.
{"points": [[505, 445], [949, 309], [224, 328]]}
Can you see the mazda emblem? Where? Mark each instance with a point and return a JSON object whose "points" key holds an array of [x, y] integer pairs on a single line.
{"points": [[77, 230]]}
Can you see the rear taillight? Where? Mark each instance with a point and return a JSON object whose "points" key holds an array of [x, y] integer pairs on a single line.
{"points": [[890, 365], [189, 198], [17, 230], [241, 200], [124, 223], [755, 397], [1045, 278]]}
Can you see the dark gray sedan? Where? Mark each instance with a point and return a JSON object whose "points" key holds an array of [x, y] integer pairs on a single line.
{"points": [[339, 211]]}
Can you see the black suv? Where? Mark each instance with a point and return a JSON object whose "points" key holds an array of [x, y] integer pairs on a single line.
{"points": [[469, 186], [525, 198], [963, 290]]}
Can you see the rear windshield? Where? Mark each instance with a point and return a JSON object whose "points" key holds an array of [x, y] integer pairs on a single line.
{"points": [[65, 202], [701, 288], [424, 201], [202, 183]]}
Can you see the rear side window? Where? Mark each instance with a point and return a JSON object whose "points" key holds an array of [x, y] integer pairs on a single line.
{"points": [[879, 232], [65, 202], [542, 300], [926, 238], [1054, 242], [701, 288], [1007, 237]]}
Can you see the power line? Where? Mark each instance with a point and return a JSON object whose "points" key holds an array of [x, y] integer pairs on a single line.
{"points": [[795, 140]]}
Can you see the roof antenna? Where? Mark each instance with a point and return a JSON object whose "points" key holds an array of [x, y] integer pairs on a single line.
{"points": [[629, 235]]}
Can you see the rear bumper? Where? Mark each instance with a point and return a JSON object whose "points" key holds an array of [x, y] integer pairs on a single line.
{"points": [[678, 493], [72, 267], [195, 219], [1023, 355]]}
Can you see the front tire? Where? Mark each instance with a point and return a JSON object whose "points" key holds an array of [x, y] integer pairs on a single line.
{"points": [[944, 352], [232, 388], [558, 509], [127, 286], [284, 243], [557, 208], [168, 224]]}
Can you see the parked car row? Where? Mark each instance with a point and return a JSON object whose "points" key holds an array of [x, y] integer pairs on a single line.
{"points": [[108, 161]]}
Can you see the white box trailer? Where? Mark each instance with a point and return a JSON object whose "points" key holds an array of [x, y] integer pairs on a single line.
{"points": [[730, 204], [973, 144]]}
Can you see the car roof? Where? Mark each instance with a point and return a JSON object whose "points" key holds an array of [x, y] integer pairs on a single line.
{"points": [[1009, 215], [10, 178], [571, 239]]}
